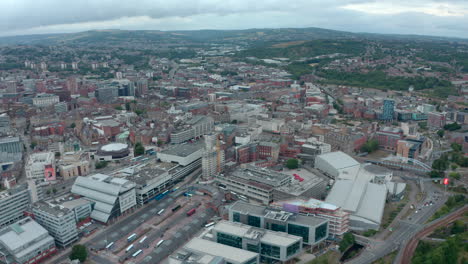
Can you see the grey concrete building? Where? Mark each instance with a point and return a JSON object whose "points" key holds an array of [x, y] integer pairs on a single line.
{"points": [[13, 203], [58, 220]]}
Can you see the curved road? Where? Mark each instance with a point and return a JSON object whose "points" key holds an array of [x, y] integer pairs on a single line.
{"points": [[405, 255]]}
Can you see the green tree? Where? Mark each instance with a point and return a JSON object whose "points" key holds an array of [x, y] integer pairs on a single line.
{"points": [[138, 149], [54, 190], [119, 107], [127, 106], [160, 142], [33, 145], [72, 125], [456, 147], [440, 164], [457, 227], [452, 127], [441, 133], [292, 164], [436, 174], [347, 241], [455, 175], [139, 112], [101, 164], [370, 146], [79, 252]]}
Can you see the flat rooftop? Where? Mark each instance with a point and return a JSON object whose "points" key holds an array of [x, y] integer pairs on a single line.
{"points": [[296, 187], [21, 234], [143, 176], [53, 209], [231, 254], [275, 214], [261, 175], [184, 150], [252, 233], [9, 139]]}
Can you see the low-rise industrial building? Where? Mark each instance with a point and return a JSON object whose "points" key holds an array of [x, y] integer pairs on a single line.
{"points": [[333, 163]]}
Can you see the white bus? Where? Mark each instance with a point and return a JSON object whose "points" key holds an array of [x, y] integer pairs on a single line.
{"points": [[243, 198], [129, 248], [161, 211], [143, 239], [131, 237], [160, 243], [210, 224], [110, 245], [137, 253]]}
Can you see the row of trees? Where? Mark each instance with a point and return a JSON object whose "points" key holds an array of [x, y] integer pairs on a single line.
{"points": [[456, 156], [445, 252], [380, 80]]}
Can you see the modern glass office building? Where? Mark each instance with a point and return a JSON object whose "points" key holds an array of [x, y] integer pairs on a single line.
{"points": [[270, 245], [312, 229]]}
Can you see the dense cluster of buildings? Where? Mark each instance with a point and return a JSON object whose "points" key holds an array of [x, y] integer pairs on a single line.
{"points": [[97, 138]]}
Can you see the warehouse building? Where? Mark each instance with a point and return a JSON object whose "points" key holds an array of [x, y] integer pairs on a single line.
{"points": [[334, 163]]}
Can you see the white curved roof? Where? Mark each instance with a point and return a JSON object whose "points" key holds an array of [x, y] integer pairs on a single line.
{"points": [[114, 147]]}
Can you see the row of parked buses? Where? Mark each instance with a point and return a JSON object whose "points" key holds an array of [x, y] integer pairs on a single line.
{"points": [[138, 252], [133, 236]]}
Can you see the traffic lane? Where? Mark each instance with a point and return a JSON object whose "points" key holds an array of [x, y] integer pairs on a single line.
{"points": [[122, 228], [164, 224], [178, 239], [154, 235], [172, 224]]}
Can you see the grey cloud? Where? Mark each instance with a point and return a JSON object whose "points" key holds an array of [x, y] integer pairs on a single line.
{"points": [[43, 16]]}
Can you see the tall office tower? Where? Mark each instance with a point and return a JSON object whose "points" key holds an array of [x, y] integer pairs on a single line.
{"points": [[213, 156], [388, 110]]}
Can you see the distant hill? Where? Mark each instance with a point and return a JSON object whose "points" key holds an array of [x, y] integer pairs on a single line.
{"points": [[196, 37]]}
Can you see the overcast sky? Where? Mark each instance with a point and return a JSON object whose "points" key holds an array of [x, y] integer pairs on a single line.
{"points": [[425, 17]]}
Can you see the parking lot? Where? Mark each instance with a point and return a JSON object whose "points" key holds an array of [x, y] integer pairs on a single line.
{"points": [[175, 228]]}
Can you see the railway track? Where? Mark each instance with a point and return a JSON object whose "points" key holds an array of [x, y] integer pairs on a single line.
{"points": [[413, 242]]}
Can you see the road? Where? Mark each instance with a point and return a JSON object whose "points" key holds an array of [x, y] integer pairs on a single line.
{"points": [[405, 255], [120, 226], [173, 71], [404, 229]]}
